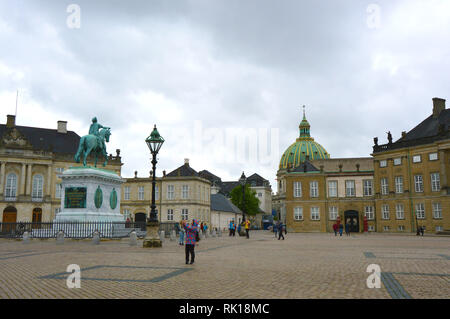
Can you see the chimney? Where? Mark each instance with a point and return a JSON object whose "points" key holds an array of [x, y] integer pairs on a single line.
{"points": [[10, 121], [186, 161], [438, 106], [135, 174], [357, 167], [62, 127], [403, 133], [164, 172]]}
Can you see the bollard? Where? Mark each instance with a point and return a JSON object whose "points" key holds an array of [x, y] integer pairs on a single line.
{"points": [[133, 238], [26, 238], [162, 235], [219, 233], [96, 238], [60, 238], [213, 233], [202, 234], [173, 235]]}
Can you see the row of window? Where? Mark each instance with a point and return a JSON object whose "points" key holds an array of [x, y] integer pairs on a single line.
{"points": [[418, 184], [202, 214], [11, 186], [369, 212], [399, 228], [202, 191], [350, 188], [415, 159]]}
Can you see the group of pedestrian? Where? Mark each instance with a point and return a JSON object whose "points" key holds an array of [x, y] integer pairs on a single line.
{"points": [[340, 228], [420, 230], [278, 229]]}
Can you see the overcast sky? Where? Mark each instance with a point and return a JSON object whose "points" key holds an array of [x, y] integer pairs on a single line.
{"points": [[203, 70]]}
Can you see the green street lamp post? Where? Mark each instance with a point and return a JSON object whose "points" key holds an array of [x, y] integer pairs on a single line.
{"points": [[243, 181], [154, 143]]}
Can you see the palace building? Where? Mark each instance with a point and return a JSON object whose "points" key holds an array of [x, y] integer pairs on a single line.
{"points": [[402, 186], [31, 160]]}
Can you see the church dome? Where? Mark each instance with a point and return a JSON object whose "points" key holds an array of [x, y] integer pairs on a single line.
{"points": [[304, 147]]}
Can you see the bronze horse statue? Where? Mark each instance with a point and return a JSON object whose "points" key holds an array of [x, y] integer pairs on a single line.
{"points": [[96, 144]]}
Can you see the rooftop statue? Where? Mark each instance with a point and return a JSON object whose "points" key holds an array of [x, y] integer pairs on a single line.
{"points": [[94, 142]]}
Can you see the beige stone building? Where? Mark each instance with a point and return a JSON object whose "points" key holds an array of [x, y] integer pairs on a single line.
{"points": [[412, 175], [180, 195], [31, 160]]}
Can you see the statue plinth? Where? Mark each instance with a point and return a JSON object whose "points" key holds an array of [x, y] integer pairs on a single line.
{"points": [[152, 239]]}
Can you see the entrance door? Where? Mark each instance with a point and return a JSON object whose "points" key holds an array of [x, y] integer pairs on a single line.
{"points": [[352, 217], [9, 216], [37, 217], [140, 218]]}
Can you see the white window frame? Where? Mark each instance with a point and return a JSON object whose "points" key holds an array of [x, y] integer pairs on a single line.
{"points": [[400, 211], [170, 192], [383, 163], [368, 187], [37, 187], [126, 193], [433, 156], [185, 191], [156, 192], [350, 191], [315, 213], [420, 210], [11, 186], [141, 193], [184, 214], [169, 214], [398, 184], [385, 212], [386, 228], [58, 191], [332, 191], [397, 161], [297, 187], [437, 210], [417, 158], [369, 212], [333, 212], [435, 182], [418, 183], [314, 189], [401, 228], [298, 213], [384, 186]]}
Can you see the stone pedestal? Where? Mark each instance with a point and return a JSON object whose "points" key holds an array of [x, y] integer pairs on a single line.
{"points": [[152, 239]]}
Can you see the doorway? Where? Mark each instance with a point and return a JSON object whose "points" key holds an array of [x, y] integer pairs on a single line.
{"points": [[37, 218], [352, 217], [141, 218], [9, 216]]}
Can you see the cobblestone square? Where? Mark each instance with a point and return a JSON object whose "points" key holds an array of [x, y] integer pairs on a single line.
{"points": [[305, 265]]}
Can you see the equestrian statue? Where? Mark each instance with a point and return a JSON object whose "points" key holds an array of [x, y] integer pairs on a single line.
{"points": [[94, 142]]}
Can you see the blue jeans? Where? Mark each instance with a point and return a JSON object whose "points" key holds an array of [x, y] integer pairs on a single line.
{"points": [[181, 240]]}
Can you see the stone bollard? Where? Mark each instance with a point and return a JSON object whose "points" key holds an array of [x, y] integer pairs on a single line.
{"points": [[26, 238], [219, 233], [133, 238], [206, 233], [60, 238], [173, 235], [202, 235], [214, 233], [96, 238], [162, 235]]}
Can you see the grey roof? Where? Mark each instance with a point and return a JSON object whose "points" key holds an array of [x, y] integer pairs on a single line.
{"points": [[183, 170], [306, 167], [220, 203], [227, 187], [215, 180], [429, 127], [47, 139]]}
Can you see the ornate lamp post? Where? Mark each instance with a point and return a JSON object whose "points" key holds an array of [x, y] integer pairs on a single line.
{"points": [[154, 143], [243, 181]]}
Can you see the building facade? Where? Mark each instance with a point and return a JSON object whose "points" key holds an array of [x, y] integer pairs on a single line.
{"points": [[31, 160], [411, 176]]}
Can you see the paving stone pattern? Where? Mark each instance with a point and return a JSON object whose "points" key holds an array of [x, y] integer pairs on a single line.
{"points": [[302, 266]]}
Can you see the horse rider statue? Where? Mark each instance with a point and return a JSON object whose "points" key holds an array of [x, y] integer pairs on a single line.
{"points": [[95, 128]]}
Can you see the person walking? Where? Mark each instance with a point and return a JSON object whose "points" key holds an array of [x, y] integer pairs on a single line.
{"points": [[347, 229], [280, 230], [230, 228], [205, 228], [181, 233], [422, 230], [191, 240], [341, 228], [335, 228], [275, 229], [247, 228], [233, 228]]}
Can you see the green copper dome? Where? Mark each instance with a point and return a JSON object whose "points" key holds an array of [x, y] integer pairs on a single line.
{"points": [[303, 147]]}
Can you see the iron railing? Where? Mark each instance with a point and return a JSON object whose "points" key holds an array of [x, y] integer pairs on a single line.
{"points": [[78, 230]]}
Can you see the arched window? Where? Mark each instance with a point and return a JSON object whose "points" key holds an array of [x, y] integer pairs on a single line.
{"points": [[11, 186], [38, 186]]}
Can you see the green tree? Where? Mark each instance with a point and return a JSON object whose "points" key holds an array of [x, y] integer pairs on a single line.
{"points": [[251, 201]]}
